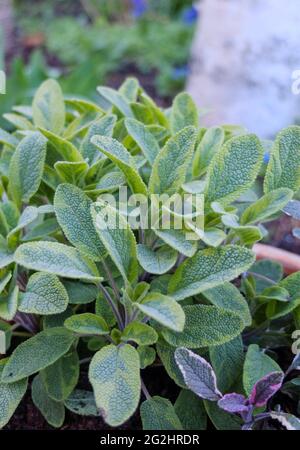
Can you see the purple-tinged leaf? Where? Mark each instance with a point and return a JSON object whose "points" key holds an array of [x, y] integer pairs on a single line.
{"points": [[198, 374], [233, 403], [247, 426], [265, 388]]}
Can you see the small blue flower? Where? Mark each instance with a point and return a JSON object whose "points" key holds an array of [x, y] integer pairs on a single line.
{"points": [[190, 15], [266, 158], [179, 73], [139, 7]]}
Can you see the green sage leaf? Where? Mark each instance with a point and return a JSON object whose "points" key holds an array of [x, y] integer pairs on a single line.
{"points": [[209, 268], [227, 296], [119, 155], [47, 347], [115, 376], [44, 295], [141, 333], [283, 170], [26, 167], [58, 259], [118, 239], [165, 310], [266, 206], [257, 365], [234, 169], [53, 411], [87, 324], [156, 262], [143, 138], [158, 413], [10, 396], [205, 326], [184, 112], [48, 107], [61, 377], [73, 212], [171, 164]]}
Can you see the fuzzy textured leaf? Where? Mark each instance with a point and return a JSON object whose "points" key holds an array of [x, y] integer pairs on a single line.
{"points": [[184, 112], [283, 170], [209, 268], [205, 326], [143, 138], [73, 212], [53, 411], [115, 376], [265, 388], [158, 413], [228, 296], [266, 206], [190, 410], [82, 402], [227, 360], [171, 164], [65, 148], [45, 295], [119, 155], [87, 324], [47, 347], [164, 310], [158, 262], [61, 377], [208, 147], [48, 107], [58, 259], [119, 241], [234, 169], [102, 127], [10, 397], [177, 240], [9, 304], [141, 333], [27, 166]]}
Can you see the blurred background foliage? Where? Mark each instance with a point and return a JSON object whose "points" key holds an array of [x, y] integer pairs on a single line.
{"points": [[84, 43]]}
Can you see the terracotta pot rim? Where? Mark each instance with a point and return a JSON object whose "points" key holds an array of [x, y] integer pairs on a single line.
{"points": [[290, 261]]}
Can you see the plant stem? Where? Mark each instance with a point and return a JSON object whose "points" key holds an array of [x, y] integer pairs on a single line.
{"points": [[260, 329], [22, 334], [85, 360], [26, 321], [145, 390], [111, 280], [112, 305], [141, 236], [262, 277], [145, 276]]}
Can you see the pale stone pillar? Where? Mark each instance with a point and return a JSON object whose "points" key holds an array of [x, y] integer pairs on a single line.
{"points": [[243, 59]]}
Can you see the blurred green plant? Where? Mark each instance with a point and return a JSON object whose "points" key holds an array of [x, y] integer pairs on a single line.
{"points": [[97, 41], [22, 82]]}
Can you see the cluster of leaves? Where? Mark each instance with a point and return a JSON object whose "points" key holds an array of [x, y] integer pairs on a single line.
{"points": [[91, 51], [262, 378], [121, 299]]}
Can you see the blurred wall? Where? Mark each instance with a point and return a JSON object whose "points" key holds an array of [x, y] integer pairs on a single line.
{"points": [[243, 58], [6, 25]]}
